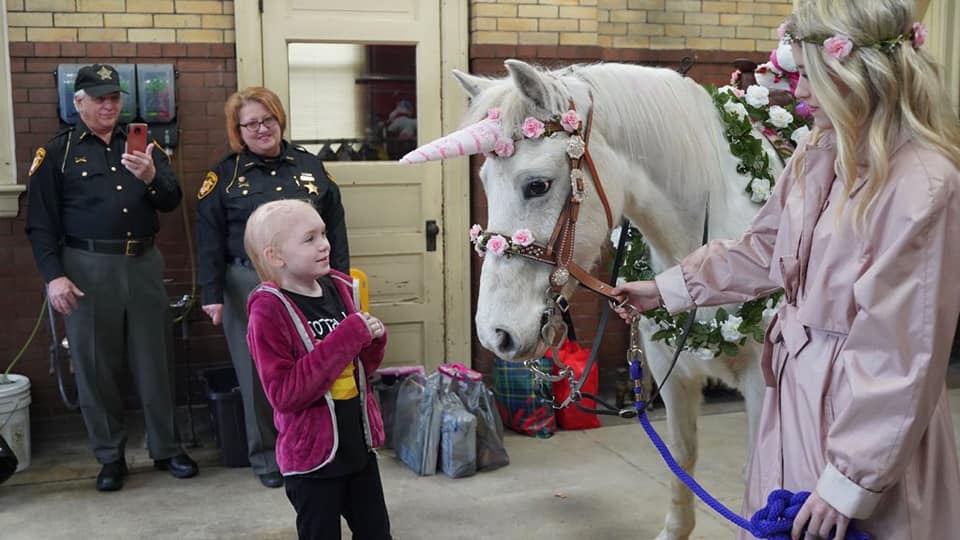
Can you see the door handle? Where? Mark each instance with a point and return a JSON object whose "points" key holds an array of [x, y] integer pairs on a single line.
{"points": [[432, 230]]}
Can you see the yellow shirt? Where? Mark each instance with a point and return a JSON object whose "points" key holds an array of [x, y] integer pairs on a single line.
{"points": [[345, 387]]}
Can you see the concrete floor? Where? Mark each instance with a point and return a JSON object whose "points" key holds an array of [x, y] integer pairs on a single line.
{"points": [[607, 483]]}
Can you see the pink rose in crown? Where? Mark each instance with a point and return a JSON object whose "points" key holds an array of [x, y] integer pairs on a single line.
{"points": [[570, 121], [475, 232], [838, 46], [503, 147], [532, 128], [782, 30], [493, 114], [497, 244], [735, 77], [919, 35], [522, 237]]}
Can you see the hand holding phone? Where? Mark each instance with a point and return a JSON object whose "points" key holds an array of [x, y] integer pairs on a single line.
{"points": [[136, 138], [140, 165]]}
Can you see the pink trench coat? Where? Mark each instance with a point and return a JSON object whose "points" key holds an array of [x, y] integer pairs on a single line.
{"points": [[855, 360]]}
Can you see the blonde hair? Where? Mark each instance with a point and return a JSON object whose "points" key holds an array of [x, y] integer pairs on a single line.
{"points": [[256, 94], [875, 93], [265, 229]]}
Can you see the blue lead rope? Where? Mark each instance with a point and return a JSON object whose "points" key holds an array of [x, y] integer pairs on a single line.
{"points": [[772, 522]]}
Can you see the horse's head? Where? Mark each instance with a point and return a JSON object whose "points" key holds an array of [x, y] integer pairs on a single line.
{"points": [[527, 179]]}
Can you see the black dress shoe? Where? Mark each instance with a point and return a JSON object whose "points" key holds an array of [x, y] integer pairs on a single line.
{"points": [[111, 476], [180, 466], [271, 479]]}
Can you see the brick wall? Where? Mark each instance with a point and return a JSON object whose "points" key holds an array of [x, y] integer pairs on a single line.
{"points": [[207, 75], [121, 21], [744, 25]]}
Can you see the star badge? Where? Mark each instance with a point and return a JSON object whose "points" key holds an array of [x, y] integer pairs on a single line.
{"points": [[105, 74], [311, 188]]}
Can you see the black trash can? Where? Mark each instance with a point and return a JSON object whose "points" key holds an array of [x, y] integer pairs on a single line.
{"points": [[226, 415]]}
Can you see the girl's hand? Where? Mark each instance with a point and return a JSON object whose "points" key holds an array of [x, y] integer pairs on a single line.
{"points": [[374, 325], [822, 519], [642, 295]]}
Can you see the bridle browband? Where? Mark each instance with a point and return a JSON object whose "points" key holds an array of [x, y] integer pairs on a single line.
{"points": [[558, 251]]}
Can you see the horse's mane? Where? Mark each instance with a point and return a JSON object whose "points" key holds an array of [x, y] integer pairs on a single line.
{"points": [[655, 117]]}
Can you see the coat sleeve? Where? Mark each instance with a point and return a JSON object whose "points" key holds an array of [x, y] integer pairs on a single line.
{"points": [[211, 242], [164, 191], [44, 221], [335, 219], [895, 357], [372, 355], [729, 271], [292, 380]]}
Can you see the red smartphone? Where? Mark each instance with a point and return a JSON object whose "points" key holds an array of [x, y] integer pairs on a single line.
{"points": [[136, 138]]}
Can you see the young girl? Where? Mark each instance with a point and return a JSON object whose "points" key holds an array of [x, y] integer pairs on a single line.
{"points": [[314, 353], [863, 235]]}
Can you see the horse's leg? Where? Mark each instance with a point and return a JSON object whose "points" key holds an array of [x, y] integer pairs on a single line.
{"points": [[681, 397]]}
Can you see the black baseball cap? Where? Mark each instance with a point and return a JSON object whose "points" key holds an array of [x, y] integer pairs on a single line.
{"points": [[97, 80]]}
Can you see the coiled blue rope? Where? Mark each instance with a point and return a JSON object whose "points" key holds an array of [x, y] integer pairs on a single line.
{"points": [[772, 522]]}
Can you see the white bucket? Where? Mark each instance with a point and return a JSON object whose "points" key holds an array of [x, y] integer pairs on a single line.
{"points": [[15, 417]]}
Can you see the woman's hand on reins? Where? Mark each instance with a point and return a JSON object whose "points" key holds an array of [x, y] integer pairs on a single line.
{"points": [[820, 520], [641, 295]]}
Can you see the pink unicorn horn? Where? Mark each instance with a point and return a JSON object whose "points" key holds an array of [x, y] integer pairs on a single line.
{"points": [[479, 137]]}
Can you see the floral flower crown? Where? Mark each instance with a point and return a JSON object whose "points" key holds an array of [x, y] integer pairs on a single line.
{"points": [[533, 128], [839, 46]]}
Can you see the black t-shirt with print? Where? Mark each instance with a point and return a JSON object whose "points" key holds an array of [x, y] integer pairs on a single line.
{"points": [[323, 314]]}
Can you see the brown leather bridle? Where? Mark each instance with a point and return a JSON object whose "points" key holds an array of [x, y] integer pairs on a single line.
{"points": [[558, 251]]}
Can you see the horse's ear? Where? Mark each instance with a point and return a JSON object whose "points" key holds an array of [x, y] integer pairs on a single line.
{"points": [[529, 81], [472, 84]]}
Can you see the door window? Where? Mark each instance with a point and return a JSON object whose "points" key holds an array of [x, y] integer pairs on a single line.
{"points": [[353, 102]]}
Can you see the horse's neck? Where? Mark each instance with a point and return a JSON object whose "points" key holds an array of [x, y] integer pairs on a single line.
{"points": [[673, 226]]}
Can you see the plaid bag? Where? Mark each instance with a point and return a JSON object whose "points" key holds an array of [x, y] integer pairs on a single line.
{"points": [[521, 409]]}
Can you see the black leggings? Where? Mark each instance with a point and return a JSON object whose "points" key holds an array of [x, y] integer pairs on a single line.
{"points": [[358, 497]]}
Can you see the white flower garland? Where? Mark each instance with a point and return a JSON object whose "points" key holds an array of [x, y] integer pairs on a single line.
{"points": [[740, 112]]}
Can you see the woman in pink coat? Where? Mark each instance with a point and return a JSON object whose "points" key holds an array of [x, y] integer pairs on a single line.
{"points": [[863, 235]]}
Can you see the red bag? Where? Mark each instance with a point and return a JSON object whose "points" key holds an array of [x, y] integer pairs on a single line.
{"points": [[575, 356]]}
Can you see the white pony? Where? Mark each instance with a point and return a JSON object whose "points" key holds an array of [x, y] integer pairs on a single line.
{"points": [[660, 152]]}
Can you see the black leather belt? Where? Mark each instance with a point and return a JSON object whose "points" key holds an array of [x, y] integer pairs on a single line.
{"points": [[132, 247], [242, 261]]}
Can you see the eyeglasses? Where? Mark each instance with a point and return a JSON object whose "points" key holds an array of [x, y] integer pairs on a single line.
{"points": [[254, 125]]}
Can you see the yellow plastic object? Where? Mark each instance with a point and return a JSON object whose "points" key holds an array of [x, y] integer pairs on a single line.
{"points": [[361, 292]]}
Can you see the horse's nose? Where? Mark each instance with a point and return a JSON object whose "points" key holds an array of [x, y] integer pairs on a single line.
{"points": [[506, 343]]}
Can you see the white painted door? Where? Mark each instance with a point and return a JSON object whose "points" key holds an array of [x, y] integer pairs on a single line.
{"points": [[317, 56]]}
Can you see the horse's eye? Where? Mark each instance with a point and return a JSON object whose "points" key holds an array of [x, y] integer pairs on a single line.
{"points": [[536, 188]]}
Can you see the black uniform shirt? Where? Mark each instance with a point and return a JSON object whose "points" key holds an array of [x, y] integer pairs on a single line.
{"points": [[240, 183], [79, 188]]}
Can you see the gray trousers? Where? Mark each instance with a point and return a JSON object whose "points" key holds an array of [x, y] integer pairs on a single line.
{"points": [[257, 412], [124, 314]]}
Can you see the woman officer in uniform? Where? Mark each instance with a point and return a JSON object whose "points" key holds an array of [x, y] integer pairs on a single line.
{"points": [[264, 167]]}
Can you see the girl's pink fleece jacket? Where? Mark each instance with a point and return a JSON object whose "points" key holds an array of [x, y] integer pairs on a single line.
{"points": [[298, 382]]}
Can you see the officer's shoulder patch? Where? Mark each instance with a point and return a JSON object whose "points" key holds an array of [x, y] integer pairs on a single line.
{"points": [[209, 182], [37, 160]]}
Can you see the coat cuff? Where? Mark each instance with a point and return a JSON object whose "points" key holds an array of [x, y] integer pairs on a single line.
{"points": [[673, 290], [848, 497]]}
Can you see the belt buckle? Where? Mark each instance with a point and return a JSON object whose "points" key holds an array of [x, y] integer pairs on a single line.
{"points": [[131, 249]]}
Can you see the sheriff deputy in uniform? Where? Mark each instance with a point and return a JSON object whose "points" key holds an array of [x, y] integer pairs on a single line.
{"points": [[92, 221], [263, 168]]}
